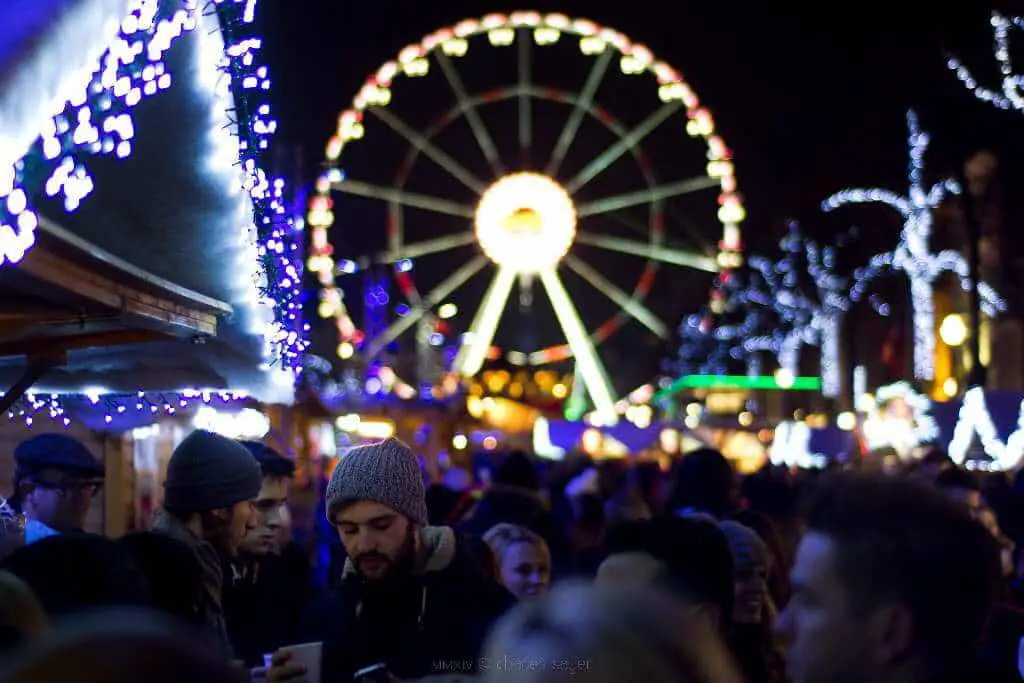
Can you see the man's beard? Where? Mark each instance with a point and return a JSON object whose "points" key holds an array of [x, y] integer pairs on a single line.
{"points": [[398, 566]]}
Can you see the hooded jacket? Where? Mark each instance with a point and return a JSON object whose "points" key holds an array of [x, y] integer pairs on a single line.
{"points": [[431, 621]]}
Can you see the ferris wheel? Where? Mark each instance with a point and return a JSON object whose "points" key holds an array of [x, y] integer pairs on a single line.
{"points": [[527, 214]]}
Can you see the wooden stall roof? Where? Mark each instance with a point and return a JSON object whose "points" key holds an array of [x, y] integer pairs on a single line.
{"points": [[68, 294]]}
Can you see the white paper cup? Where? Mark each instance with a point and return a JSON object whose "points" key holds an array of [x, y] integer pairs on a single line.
{"points": [[268, 660], [310, 656]]}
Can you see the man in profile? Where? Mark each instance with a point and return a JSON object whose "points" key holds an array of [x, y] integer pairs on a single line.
{"points": [[893, 583]]}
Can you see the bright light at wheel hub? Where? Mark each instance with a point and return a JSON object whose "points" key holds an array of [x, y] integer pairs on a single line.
{"points": [[526, 222]]}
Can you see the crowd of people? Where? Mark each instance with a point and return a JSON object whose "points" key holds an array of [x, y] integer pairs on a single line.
{"points": [[612, 572]]}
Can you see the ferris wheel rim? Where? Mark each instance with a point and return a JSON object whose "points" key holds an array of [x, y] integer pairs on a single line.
{"points": [[612, 42]]}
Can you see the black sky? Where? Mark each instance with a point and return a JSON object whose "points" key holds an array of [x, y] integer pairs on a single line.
{"points": [[810, 96]]}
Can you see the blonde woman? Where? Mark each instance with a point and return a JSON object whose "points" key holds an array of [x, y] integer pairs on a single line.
{"points": [[588, 634], [523, 559]]}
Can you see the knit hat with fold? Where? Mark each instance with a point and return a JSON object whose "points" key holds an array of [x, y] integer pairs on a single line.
{"points": [[387, 473], [208, 471]]}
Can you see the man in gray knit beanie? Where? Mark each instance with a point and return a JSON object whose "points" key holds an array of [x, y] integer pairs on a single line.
{"points": [[403, 580], [378, 488]]}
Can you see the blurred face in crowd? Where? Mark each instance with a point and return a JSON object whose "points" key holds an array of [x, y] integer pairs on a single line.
{"points": [[378, 540], [59, 499], [271, 511], [526, 570], [966, 497], [632, 569], [831, 639], [751, 588]]}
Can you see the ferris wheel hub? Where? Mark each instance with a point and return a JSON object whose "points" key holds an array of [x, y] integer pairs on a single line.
{"points": [[525, 222]]}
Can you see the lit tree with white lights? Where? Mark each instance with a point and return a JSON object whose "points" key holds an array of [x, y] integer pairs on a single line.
{"points": [[912, 254], [1011, 98], [808, 300]]}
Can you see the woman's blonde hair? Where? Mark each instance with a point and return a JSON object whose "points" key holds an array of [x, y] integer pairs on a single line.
{"points": [[585, 633], [501, 537]]}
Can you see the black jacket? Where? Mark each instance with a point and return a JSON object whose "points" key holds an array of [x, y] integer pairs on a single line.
{"points": [[433, 621], [263, 603]]}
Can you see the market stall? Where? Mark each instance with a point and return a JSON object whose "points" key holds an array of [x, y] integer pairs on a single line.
{"points": [[149, 264]]}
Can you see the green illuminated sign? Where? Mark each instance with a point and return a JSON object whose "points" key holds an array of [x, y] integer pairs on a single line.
{"points": [[741, 382]]}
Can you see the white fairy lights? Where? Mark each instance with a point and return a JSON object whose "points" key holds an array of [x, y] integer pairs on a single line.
{"points": [[805, 320], [975, 419], [1011, 98], [913, 254], [901, 419], [97, 120], [113, 406]]}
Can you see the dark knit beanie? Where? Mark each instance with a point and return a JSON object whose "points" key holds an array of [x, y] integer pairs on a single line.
{"points": [[208, 472], [387, 473], [747, 549]]}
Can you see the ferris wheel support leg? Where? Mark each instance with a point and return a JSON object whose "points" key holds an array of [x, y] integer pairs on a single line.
{"points": [[588, 363], [474, 350]]}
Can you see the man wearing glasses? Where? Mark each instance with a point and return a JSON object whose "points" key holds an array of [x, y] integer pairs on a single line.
{"points": [[55, 481]]}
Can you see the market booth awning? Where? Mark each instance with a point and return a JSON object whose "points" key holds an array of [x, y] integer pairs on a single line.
{"points": [[142, 245]]}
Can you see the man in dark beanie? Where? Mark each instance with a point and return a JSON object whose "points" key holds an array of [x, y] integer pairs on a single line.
{"points": [[209, 495], [413, 597], [55, 481]]}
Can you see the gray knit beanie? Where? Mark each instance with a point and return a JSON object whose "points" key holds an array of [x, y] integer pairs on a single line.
{"points": [[387, 473], [747, 548], [208, 472]]}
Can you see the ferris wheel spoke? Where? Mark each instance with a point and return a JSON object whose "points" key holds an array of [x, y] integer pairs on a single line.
{"points": [[623, 145], [423, 143], [478, 339], [676, 257], [579, 111], [431, 246], [410, 199], [444, 289], [468, 106], [525, 111], [622, 299], [647, 196], [588, 363]]}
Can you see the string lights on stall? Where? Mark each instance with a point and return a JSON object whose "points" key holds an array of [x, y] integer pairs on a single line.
{"points": [[97, 120], [1011, 98], [912, 254], [59, 408]]}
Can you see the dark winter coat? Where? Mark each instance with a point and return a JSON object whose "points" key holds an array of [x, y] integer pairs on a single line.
{"points": [[263, 603], [210, 605], [430, 622]]}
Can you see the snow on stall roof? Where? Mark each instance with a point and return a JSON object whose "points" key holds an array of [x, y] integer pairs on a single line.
{"points": [[48, 48]]}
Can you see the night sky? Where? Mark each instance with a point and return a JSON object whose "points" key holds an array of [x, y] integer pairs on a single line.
{"points": [[810, 101]]}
